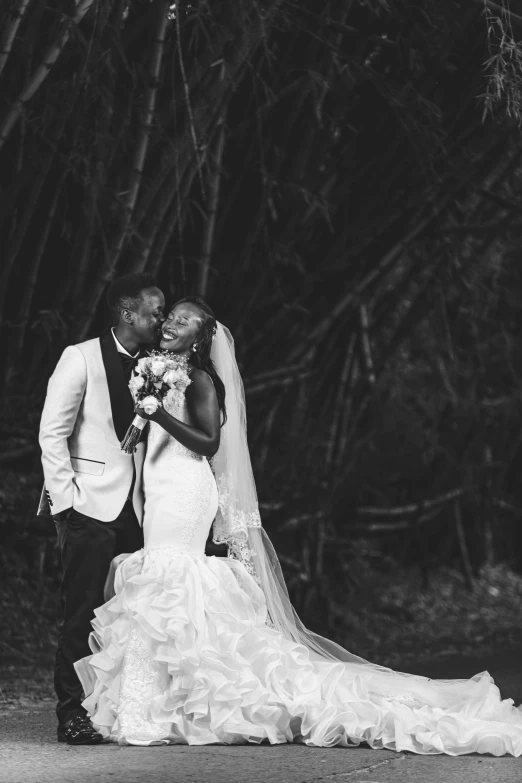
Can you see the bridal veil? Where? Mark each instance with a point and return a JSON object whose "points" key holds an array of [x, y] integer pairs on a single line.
{"points": [[238, 522]]}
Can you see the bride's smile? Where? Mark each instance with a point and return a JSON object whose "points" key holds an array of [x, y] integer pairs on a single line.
{"points": [[180, 330]]}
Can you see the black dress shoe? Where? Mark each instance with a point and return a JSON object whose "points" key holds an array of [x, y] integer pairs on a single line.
{"points": [[79, 731]]}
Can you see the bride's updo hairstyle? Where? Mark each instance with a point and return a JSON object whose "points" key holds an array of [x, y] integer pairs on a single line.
{"points": [[200, 358]]}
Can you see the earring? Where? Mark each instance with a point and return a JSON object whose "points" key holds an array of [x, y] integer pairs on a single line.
{"points": [[195, 348]]}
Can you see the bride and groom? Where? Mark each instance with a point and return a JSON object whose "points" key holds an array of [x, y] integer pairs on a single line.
{"points": [[188, 648]]}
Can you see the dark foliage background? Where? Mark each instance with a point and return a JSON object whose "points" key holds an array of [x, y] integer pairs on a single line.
{"points": [[341, 179]]}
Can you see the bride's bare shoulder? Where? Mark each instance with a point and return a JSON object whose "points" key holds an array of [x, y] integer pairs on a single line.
{"points": [[196, 375], [201, 380]]}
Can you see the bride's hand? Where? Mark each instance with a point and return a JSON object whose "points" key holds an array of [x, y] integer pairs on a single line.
{"points": [[141, 412]]}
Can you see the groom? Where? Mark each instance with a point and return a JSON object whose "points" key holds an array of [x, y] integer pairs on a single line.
{"points": [[92, 488]]}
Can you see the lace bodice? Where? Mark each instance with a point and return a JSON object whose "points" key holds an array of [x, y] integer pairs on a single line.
{"points": [[158, 439], [179, 487]]}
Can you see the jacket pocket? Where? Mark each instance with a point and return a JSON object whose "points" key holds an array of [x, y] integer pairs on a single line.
{"points": [[91, 466]]}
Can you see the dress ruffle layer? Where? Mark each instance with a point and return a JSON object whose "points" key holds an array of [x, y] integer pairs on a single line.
{"points": [[202, 666]]}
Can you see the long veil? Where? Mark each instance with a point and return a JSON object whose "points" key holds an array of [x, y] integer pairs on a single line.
{"points": [[238, 522]]}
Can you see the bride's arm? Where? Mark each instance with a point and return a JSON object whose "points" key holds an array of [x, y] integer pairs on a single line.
{"points": [[203, 437]]}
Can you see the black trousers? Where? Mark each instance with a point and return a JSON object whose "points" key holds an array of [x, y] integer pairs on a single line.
{"points": [[87, 547]]}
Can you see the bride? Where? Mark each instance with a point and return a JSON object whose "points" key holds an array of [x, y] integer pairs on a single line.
{"points": [[195, 649]]}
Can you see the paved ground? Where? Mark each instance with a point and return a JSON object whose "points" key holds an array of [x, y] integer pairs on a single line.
{"points": [[30, 754]]}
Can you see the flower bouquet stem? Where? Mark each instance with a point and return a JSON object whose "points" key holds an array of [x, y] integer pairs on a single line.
{"points": [[133, 434], [150, 405]]}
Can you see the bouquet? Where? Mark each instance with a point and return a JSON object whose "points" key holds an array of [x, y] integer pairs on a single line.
{"points": [[154, 376]]}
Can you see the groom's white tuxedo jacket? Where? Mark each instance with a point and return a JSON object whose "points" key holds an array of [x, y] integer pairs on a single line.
{"points": [[87, 411]]}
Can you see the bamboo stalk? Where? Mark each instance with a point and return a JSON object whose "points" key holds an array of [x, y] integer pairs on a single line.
{"points": [[319, 553], [298, 521], [213, 198], [403, 524], [161, 209], [173, 220], [109, 267], [276, 383], [166, 218], [38, 76], [140, 152], [19, 235], [21, 144], [419, 303], [466, 562], [366, 345], [167, 205], [410, 508], [277, 372], [142, 145], [93, 220], [168, 163], [210, 109], [22, 451], [153, 259], [211, 96], [268, 426], [6, 43], [22, 227], [310, 138], [17, 338], [348, 407], [338, 407], [188, 102], [388, 302], [505, 506], [502, 201], [160, 179], [489, 556], [343, 28], [382, 266]]}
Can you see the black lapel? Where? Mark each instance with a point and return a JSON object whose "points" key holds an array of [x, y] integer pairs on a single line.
{"points": [[121, 400]]}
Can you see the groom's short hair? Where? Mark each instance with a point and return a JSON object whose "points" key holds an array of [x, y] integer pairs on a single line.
{"points": [[125, 292]]}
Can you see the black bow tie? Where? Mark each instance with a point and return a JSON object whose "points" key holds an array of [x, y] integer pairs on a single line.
{"points": [[128, 363]]}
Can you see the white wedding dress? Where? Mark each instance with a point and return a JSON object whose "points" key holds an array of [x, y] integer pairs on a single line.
{"points": [[183, 654]]}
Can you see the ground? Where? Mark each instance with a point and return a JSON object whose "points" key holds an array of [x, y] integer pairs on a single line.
{"points": [[30, 754]]}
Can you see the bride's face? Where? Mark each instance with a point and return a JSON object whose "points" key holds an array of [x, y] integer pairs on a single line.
{"points": [[180, 330]]}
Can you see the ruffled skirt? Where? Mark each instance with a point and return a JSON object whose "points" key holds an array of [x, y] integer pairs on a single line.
{"points": [[182, 654]]}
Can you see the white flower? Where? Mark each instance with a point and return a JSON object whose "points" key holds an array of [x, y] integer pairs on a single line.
{"points": [[150, 405], [135, 384], [157, 366], [143, 364], [137, 381], [171, 377]]}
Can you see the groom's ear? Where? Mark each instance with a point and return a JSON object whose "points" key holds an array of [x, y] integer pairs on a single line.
{"points": [[126, 316]]}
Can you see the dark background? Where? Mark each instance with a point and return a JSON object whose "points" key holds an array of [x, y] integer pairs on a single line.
{"points": [[341, 181]]}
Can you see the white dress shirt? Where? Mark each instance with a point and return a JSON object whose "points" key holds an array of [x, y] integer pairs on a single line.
{"points": [[120, 347]]}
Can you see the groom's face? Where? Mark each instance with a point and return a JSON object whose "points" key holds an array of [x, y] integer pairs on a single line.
{"points": [[148, 316]]}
